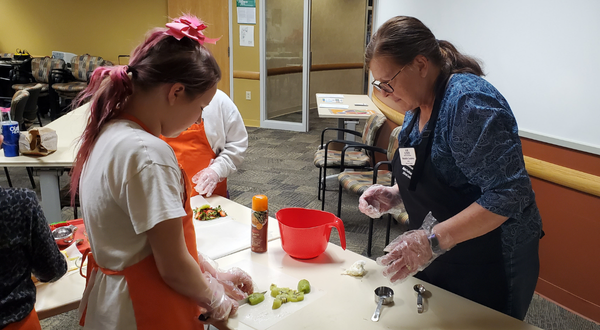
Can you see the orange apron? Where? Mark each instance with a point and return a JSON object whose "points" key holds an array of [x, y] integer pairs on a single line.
{"points": [[30, 322], [194, 153], [155, 304]]}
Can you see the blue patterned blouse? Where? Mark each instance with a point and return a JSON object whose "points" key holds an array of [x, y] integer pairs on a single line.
{"points": [[476, 142]]}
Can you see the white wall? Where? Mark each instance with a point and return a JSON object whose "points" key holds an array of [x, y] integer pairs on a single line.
{"points": [[543, 56]]}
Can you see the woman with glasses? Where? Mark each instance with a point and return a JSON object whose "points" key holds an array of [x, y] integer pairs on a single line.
{"points": [[459, 169]]}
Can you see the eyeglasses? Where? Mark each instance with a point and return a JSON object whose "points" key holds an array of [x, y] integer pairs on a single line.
{"points": [[385, 86]]}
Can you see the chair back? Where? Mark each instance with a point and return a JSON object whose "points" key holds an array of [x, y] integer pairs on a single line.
{"points": [[373, 124], [81, 65], [393, 144], [41, 67], [31, 106], [18, 103]]}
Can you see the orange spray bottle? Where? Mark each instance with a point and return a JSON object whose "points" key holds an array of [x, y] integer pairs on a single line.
{"points": [[260, 223]]}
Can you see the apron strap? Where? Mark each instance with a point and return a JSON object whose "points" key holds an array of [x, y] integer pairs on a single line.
{"points": [[424, 148]]}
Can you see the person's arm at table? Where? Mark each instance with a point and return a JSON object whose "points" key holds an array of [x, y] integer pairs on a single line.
{"points": [[472, 222], [48, 264], [181, 272]]}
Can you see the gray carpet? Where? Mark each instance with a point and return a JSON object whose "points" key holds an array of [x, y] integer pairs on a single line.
{"points": [[279, 164]]}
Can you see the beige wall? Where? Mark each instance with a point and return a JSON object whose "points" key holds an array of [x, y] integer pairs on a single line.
{"points": [[106, 28], [337, 39], [246, 59]]}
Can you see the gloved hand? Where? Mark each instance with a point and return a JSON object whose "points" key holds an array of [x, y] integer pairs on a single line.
{"points": [[206, 181], [410, 252], [236, 282], [378, 200], [221, 307]]}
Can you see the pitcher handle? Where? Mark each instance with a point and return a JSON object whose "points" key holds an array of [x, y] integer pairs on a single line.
{"points": [[339, 225]]}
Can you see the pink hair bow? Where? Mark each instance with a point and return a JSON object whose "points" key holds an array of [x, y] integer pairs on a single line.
{"points": [[191, 27]]}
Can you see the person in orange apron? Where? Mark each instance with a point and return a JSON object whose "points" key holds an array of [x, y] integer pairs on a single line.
{"points": [[143, 270], [26, 246], [212, 150]]}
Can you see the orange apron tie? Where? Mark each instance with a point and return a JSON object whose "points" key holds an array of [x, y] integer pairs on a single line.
{"points": [[30, 322], [194, 153], [155, 304]]}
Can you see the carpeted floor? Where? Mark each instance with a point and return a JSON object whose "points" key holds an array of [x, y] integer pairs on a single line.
{"points": [[279, 164]]}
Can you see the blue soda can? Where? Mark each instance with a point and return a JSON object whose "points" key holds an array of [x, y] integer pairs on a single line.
{"points": [[10, 131]]}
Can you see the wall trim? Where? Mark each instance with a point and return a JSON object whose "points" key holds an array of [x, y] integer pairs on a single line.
{"points": [[560, 142]]}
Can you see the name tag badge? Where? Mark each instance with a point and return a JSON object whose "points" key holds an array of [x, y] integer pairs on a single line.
{"points": [[408, 156]]}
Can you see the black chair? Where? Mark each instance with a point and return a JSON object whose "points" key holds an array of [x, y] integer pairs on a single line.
{"points": [[31, 111], [357, 182], [325, 158], [45, 71]]}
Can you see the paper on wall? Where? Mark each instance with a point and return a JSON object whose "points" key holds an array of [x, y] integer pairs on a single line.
{"points": [[247, 35]]}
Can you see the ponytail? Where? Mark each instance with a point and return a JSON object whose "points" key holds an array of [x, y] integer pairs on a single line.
{"points": [[455, 62], [108, 89], [165, 57]]}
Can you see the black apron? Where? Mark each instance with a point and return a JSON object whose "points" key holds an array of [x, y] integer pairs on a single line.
{"points": [[473, 269]]}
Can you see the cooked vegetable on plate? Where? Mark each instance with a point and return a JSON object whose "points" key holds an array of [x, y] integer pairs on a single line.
{"points": [[206, 212]]}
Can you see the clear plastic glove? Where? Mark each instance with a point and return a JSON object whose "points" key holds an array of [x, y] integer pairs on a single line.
{"points": [[206, 181], [409, 253], [221, 307], [236, 282], [379, 200]]}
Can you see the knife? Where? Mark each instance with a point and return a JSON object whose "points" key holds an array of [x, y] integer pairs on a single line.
{"points": [[240, 302]]}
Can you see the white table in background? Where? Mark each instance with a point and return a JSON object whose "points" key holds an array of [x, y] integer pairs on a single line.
{"points": [[342, 114], [68, 128], [65, 294], [346, 302]]}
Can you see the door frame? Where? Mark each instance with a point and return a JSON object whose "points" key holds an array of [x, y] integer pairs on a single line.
{"points": [[306, 63]]}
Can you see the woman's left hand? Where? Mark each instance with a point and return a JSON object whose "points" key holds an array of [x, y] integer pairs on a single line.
{"points": [[408, 254]]}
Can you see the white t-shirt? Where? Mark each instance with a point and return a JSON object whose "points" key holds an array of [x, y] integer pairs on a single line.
{"points": [[130, 182], [226, 133]]}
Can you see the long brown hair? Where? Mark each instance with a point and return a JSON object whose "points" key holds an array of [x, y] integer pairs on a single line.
{"points": [[160, 59], [403, 38]]}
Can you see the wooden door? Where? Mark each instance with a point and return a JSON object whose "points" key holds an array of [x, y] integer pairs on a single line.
{"points": [[215, 13]]}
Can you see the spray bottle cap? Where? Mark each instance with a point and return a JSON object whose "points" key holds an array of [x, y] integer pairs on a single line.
{"points": [[260, 203]]}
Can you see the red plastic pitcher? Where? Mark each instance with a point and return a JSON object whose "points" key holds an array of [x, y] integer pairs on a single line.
{"points": [[305, 232]]}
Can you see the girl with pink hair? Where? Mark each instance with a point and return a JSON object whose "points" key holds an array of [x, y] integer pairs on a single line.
{"points": [[144, 271]]}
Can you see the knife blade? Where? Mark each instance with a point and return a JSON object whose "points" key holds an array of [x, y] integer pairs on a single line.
{"points": [[204, 317]]}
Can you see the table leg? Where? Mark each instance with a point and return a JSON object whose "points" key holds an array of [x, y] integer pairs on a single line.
{"points": [[341, 124], [50, 194], [349, 124]]}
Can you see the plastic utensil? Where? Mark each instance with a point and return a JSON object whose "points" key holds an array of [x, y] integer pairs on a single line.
{"points": [[305, 232], [383, 296]]}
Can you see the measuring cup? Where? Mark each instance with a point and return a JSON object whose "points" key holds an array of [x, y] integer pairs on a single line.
{"points": [[383, 296]]}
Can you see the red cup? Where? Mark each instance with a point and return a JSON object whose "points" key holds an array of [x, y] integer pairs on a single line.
{"points": [[305, 232]]}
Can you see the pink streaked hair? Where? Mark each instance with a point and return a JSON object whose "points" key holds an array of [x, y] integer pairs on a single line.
{"points": [[160, 59]]}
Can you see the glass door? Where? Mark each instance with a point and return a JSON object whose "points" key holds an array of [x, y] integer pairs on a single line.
{"points": [[323, 40], [285, 64]]}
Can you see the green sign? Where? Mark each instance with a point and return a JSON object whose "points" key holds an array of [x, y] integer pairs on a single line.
{"points": [[246, 3]]}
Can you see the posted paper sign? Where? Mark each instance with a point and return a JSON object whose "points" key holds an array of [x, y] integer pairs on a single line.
{"points": [[246, 15], [247, 35]]}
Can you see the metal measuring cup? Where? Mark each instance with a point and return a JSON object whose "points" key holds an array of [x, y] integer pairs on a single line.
{"points": [[383, 296]]}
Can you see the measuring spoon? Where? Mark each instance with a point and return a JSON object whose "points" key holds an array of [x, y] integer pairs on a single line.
{"points": [[420, 289]]}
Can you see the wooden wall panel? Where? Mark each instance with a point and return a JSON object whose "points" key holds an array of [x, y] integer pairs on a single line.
{"points": [[216, 15]]}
